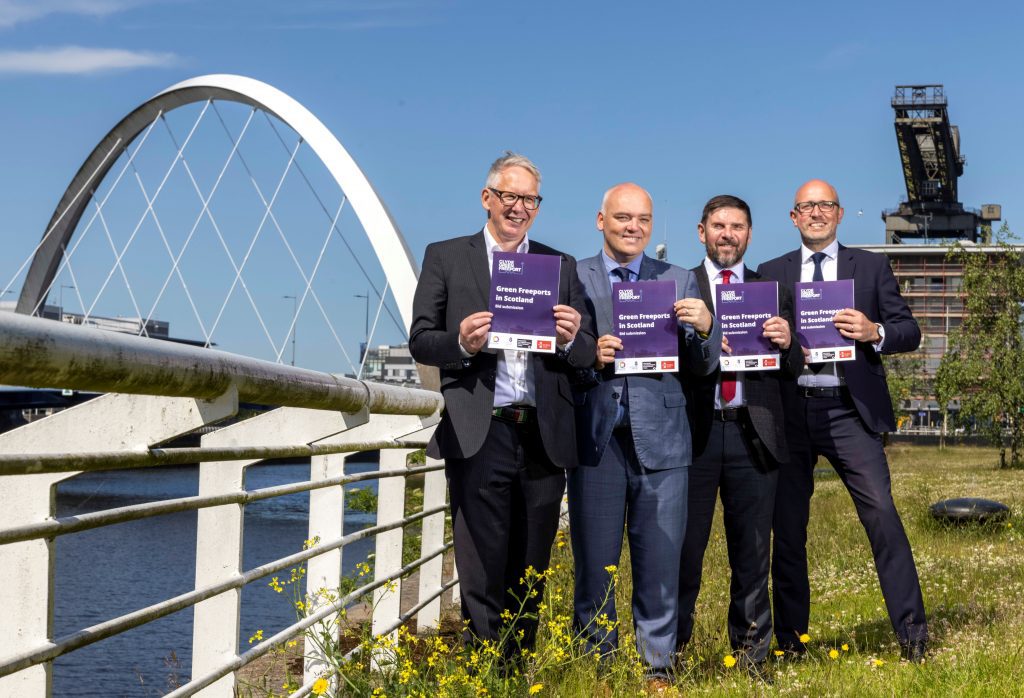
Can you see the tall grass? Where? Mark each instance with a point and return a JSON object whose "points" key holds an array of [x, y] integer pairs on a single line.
{"points": [[972, 577]]}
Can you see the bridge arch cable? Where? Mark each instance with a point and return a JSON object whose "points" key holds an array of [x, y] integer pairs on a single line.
{"points": [[151, 242]]}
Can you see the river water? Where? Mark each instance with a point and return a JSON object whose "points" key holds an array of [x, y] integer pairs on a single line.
{"points": [[106, 572]]}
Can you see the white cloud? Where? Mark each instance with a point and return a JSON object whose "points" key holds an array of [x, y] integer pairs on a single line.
{"points": [[79, 60], [14, 12]]}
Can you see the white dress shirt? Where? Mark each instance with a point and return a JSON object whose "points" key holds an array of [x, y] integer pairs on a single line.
{"points": [[715, 275], [513, 384]]}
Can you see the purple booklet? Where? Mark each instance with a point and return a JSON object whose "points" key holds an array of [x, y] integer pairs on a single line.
{"points": [[524, 290], [646, 324], [742, 310], [816, 303]]}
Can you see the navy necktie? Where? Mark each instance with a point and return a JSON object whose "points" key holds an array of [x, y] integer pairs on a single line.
{"points": [[622, 418], [818, 258]]}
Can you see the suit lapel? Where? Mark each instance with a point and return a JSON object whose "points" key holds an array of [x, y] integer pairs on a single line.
{"points": [[845, 265], [704, 284], [478, 266], [601, 292]]}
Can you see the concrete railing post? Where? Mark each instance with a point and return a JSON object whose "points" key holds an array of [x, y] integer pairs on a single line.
{"points": [[110, 422], [434, 492], [219, 538]]}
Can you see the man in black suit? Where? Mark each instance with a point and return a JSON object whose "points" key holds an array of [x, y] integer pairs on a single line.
{"points": [[840, 410], [507, 432], [738, 442]]}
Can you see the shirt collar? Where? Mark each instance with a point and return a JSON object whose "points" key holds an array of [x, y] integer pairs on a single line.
{"points": [[714, 270], [831, 251], [492, 244], [633, 266]]}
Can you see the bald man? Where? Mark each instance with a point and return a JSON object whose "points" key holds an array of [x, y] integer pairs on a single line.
{"points": [[634, 445], [840, 411]]}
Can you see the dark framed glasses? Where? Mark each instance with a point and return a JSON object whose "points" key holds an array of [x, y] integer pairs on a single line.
{"points": [[510, 198]]}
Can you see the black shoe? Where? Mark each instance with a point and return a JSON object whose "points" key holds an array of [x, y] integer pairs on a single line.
{"points": [[793, 652], [914, 650], [759, 670]]}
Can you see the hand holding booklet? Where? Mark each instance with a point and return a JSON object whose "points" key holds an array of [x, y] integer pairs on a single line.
{"points": [[742, 309], [646, 324], [524, 292], [817, 302]]}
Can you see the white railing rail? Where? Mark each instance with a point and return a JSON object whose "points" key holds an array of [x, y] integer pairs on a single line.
{"points": [[157, 391]]}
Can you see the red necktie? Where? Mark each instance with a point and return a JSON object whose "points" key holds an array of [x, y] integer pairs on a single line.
{"points": [[728, 377]]}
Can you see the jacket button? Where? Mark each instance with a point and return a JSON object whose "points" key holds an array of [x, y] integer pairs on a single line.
{"points": [[615, 395]]}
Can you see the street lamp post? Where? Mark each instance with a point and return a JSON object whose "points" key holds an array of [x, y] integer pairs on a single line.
{"points": [[366, 317], [295, 322], [61, 298]]}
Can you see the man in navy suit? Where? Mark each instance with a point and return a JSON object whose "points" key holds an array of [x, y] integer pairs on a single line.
{"points": [[507, 432], [840, 410], [634, 446], [738, 441]]}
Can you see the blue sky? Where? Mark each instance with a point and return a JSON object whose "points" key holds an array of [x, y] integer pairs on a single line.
{"points": [[687, 100]]}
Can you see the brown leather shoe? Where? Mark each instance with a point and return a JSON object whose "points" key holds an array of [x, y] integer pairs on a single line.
{"points": [[660, 686]]}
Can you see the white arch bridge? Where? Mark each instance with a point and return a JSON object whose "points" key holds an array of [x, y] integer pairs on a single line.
{"points": [[112, 223]]}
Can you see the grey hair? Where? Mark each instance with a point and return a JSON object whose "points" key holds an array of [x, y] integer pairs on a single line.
{"points": [[510, 159]]}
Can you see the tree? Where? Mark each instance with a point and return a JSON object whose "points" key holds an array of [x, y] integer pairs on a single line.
{"points": [[904, 374], [984, 360]]}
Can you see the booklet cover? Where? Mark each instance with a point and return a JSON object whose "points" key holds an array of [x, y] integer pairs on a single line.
{"points": [[742, 310], [524, 291], [817, 302], [646, 323]]}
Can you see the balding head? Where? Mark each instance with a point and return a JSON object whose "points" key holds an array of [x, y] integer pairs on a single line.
{"points": [[816, 213], [626, 219]]}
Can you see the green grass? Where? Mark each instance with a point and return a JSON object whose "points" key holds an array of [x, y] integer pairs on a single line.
{"points": [[972, 577]]}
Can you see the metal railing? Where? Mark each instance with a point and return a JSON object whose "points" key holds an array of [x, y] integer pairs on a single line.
{"points": [[158, 391]]}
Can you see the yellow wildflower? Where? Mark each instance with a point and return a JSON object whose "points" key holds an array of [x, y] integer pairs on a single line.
{"points": [[879, 662], [833, 654], [611, 569], [256, 637], [729, 661], [845, 647], [805, 638], [536, 688], [320, 687], [779, 653]]}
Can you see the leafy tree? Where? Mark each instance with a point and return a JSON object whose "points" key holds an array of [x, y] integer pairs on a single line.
{"points": [[904, 374], [984, 360]]}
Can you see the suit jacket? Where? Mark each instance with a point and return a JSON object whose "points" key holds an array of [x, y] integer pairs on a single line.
{"points": [[455, 283], [877, 295], [657, 402], [761, 389]]}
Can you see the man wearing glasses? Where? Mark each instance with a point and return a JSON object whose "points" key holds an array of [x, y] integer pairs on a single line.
{"points": [[507, 431], [840, 410]]}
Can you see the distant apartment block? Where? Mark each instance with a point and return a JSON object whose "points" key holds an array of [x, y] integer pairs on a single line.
{"points": [[933, 287], [390, 363]]}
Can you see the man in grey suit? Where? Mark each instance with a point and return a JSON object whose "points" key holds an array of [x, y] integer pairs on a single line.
{"points": [[507, 431], [738, 443], [634, 446]]}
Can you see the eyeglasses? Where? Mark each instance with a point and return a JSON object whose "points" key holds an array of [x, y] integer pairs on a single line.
{"points": [[508, 198], [823, 206]]}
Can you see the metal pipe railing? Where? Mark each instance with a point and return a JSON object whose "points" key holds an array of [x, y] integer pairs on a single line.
{"points": [[51, 650], [40, 353], [83, 522], [35, 463]]}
